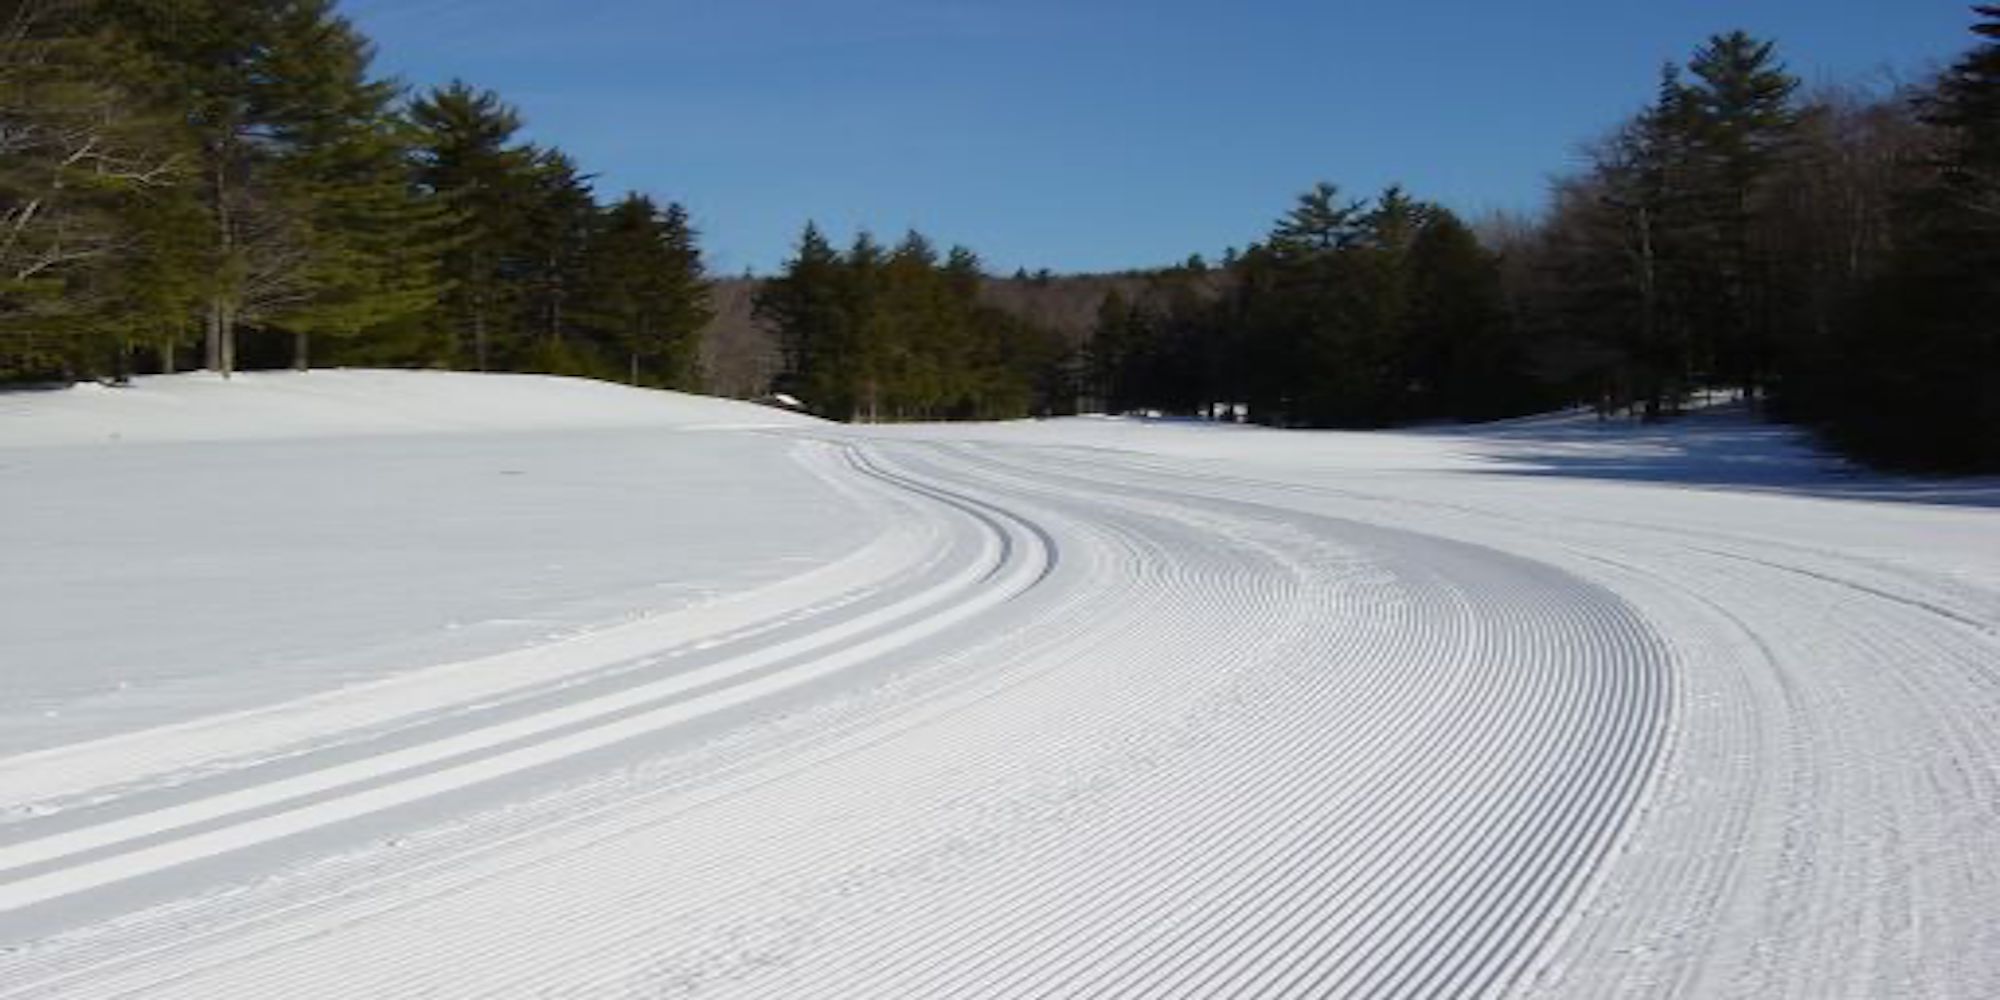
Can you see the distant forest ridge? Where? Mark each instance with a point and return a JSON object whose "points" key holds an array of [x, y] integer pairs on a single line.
{"points": [[227, 184]]}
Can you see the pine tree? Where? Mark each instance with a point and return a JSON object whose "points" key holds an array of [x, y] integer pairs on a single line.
{"points": [[1459, 354], [558, 211], [371, 238], [804, 305], [1113, 339], [1318, 224], [85, 152], [268, 91], [858, 352], [1921, 383], [467, 157], [642, 292], [1744, 123]]}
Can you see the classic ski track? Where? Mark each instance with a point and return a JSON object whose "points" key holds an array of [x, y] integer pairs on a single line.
{"points": [[1802, 842], [122, 768], [1142, 798], [670, 700], [172, 933], [1430, 797]]}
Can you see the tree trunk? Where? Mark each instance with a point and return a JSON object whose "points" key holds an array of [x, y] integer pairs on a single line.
{"points": [[634, 378], [212, 336], [227, 324], [222, 328], [301, 345], [167, 359], [479, 338]]}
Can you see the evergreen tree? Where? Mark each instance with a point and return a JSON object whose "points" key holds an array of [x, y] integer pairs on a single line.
{"points": [[371, 238], [859, 351], [1921, 376], [557, 213], [804, 305], [467, 157], [271, 93], [642, 292], [1115, 346], [1460, 356], [89, 161], [1745, 122]]}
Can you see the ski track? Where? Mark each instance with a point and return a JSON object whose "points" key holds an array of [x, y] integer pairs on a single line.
{"points": [[1091, 724]]}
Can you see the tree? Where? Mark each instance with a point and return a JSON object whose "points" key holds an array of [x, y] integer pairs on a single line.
{"points": [[86, 156], [466, 157], [1460, 356], [557, 213], [1744, 125], [370, 238], [1921, 367], [642, 291], [268, 92], [804, 305]]}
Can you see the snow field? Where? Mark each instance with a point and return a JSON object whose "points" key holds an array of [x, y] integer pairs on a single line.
{"points": [[1096, 708]]}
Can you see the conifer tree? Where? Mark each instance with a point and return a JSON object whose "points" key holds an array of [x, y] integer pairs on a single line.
{"points": [[805, 306], [269, 91], [1921, 383], [643, 292], [371, 240], [467, 158], [557, 212], [1745, 121], [858, 351], [85, 149]]}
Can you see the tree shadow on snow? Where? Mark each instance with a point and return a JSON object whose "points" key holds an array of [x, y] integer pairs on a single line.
{"points": [[1722, 447]]}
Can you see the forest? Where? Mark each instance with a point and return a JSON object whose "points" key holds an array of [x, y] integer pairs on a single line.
{"points": [[227, 184]]}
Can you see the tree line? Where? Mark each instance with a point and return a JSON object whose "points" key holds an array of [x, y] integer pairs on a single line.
{"points": [[901, 333], [226, 183], [1833, 257], [1352, 312]]}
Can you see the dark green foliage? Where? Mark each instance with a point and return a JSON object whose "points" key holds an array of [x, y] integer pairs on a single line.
{"points": [[174, 171], [89, 175], [1837, 255], [899, 334], [1669, 264], [1352, 313], [641, 296], [467, 159], [1920, 382], [232, 167]]}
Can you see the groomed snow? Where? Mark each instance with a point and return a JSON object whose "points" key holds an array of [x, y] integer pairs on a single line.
{"points": [[190, 545], [1084, 707]]}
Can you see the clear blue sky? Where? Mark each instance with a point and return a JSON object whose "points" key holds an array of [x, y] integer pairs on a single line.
{"points": [[1092, 135]]}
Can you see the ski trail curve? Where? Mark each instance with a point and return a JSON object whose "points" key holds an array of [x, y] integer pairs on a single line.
{"points": [[1127, 739], [1825, 815], [81, 858]]}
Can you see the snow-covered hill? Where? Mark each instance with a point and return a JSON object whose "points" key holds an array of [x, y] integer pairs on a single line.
{"points": [[342, 403], [521, 687]]}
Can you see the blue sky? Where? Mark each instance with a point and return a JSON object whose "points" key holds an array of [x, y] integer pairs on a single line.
{"points": [[1092, 135]]}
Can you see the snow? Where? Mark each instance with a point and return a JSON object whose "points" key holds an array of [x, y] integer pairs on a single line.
{"points": [[1552, 707], [337, 403], [189, 545]]}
